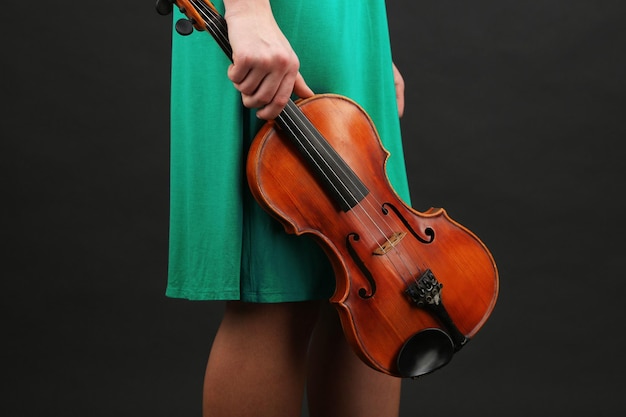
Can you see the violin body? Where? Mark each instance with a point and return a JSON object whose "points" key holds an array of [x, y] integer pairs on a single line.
{"points": [[380, 248]]}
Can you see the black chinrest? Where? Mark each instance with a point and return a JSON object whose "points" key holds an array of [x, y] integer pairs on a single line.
{"points": [[425, 352]]}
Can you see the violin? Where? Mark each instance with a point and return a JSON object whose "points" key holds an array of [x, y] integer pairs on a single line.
{"points": [[412, 288]]}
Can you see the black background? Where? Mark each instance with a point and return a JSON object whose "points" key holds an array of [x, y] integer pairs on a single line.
{"points": [[514, 124]]}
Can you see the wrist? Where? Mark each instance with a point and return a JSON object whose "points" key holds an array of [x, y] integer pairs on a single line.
{"points": [[238, 7]]}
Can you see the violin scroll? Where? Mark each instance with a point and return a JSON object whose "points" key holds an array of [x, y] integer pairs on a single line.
{"points": [[184, 27]]}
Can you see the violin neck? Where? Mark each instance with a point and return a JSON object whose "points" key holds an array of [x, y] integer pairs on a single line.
{"points": [[215, 24]]}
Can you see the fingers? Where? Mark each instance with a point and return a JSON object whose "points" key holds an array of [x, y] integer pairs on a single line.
{"points": [[296, 85], [399, 85], [267, 88], [273, 99], [265, 82], [301, 89]]}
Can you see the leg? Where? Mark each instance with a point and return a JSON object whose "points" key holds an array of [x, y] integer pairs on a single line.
{"points": [[339, 383], [257, 364]]}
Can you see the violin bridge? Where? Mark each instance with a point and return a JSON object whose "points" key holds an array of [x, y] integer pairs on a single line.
{"points": [[391, 242]]}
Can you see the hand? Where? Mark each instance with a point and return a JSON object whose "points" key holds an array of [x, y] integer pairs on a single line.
{"points": [[399, 84], [265, 68]]}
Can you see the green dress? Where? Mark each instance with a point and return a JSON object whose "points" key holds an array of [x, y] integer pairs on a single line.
{"points": [[223, 246]]}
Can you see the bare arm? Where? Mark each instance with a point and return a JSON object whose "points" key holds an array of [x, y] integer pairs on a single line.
{"points": [[265, 68]]}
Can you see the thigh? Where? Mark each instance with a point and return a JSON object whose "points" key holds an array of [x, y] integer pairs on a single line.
{"points": [[339, 383], [257, 364]]}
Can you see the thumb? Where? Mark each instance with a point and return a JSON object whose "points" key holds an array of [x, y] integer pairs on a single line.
{"points": [[301, 89]]}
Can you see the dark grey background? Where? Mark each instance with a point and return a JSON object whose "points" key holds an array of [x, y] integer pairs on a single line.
{"points": [[514, 124]]}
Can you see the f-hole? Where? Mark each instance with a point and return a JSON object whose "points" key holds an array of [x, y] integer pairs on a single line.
{"points": [[363, 292], [429, 232]]}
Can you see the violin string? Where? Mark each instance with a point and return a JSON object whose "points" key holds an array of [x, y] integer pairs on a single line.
{"points": [[310, 134], [313, 134], [291, 124], [216, 25]]}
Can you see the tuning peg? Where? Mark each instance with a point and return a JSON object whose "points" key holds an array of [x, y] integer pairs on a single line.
{"points": [[184, 27], [164, 7]]}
